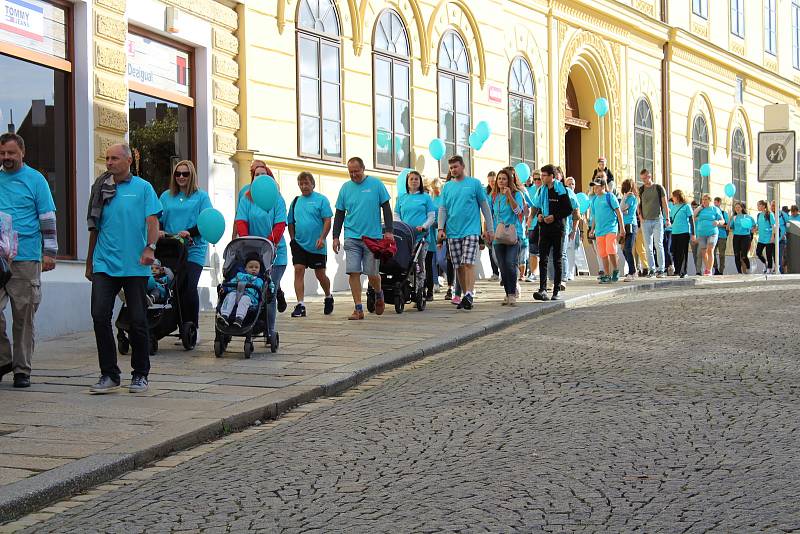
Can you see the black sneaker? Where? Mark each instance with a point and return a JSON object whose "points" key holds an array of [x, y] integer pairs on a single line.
{"points": [[561, 287], [237, 323], [555, 296], [429, 296], [541, 295], [281, 301], [21, 380], [466, 302], [299, 311], [4, 370], [138, 384], [221, 319], [449, 294], [328, 305]]}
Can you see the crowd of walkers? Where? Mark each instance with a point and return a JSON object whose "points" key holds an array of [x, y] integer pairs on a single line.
{"points": [[533, 231]]}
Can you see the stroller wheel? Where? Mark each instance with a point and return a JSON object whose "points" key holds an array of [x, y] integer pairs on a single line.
{"points": [[399, 302], [219, 348], [421, 302], [248, 349], [123, 345], [370, 300], [188, 335], [274, 342], [153, 345]]}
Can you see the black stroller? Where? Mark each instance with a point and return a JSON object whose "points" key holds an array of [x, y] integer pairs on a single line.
{"points": [[255, 322], [398, 279], [163, 318]]}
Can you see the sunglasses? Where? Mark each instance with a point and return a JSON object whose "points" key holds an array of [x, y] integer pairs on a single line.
{"points": [[184, 174]]}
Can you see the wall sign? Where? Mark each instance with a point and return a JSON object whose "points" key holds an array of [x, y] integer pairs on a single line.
{"points": [[23, 18], [495, 94], [34, 25], [158, 65]]}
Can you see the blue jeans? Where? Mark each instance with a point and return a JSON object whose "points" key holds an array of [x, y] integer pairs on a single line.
{"points": [[506, 256], [272, 309], [653, 230]]}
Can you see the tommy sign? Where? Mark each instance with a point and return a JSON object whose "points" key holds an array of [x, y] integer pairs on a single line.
{"points": [[23, 18], [776, 156]]}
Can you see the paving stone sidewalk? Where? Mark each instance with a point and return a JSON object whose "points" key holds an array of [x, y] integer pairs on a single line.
{"points": [[56, 438]]}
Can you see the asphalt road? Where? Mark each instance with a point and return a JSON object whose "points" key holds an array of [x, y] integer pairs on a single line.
{"points": [[676, 411]]}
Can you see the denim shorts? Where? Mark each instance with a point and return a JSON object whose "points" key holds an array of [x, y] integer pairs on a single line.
{"points": [[706, 241], [359, 258]]}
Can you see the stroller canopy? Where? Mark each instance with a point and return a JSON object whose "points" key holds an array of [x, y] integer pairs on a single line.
{"points": [[239, 249]]}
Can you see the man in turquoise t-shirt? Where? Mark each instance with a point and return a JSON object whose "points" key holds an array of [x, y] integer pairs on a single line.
{"points": [[122, 243], [26, 197], [309, 223], [358, 209], [722, 240], [463, 200]]}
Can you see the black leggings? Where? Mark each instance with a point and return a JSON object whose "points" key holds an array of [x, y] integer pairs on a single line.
{"points": [[741, 248], [451, 274], [190, 300], [770, 253], [429, 259], [680, 252]]}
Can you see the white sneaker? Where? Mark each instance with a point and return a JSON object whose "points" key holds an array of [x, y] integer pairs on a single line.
{"points": [[512, 300], [494, 278], [630, 278]]}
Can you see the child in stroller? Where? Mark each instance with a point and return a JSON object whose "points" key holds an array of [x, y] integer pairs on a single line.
{"points": [[157, 284], [241, 299]]}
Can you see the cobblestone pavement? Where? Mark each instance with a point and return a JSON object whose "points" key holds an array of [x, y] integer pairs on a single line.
{"points": [[584, 420]]}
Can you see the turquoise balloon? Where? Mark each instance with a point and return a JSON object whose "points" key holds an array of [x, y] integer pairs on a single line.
{"points": [[264, 191], [475, 141], [523, 171], [583, 202], [211, 224], [437, 149], [730, 190], [483, 130], [601, 106], [705, 170], [401, 182]]}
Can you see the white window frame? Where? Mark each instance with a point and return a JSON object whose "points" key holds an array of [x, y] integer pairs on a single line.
{"points": [[770, 27]]}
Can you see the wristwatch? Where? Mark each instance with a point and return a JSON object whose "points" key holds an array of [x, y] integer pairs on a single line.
{"points": [[151, 246]]}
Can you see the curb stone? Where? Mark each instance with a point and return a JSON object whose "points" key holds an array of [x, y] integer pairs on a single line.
{"points": [[32, 494]]}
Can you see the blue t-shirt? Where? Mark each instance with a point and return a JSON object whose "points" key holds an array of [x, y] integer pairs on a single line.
{"points": [[795, 218], [247, 278], [462, 199], [705, 221], [681, 216], [307, 214], [629, 217], [362, 206], [783, 219], [413, 209], [542, 199], [738, 227], [180, 213], [123, 229], [723, 232], [533, 191], [573, 201], [437, 203], [25, 195], [260, 222], [605, 215], [765, 227], [504, 214]]}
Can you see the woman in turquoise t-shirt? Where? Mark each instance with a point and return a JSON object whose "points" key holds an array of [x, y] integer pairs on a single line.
{"points": [[507, 205], [416, 209], [766, 236], [182, 204], [708, 219], [630, 199], [680, 214], [743, 227]]}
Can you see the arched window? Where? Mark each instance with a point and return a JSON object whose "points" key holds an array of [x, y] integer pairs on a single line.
{"points": [[320, 83], [699, 155], [739, 165], [392, 93], [454, 99], [521, 114], [643, 138]]}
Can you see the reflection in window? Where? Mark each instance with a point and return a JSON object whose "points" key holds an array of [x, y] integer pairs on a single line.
{"points": [[700, 8], [643, 138], [739, 165], [392, 93], [521, 114], [319, 93], [34, 104], [160, 137], [795, 14], [454, 99], [699, 156], [737, 17], [770, 25]]}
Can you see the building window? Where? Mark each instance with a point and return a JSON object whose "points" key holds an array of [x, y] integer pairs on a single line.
{"points": [[796, 34], [319, 78], [454, 99], [739, 90], [643, 138], [521, 114], [36, 101], [739, 166], [392, 93], [770, 25], [699, 155], [160, 107], [737, 18], [700, 8]]}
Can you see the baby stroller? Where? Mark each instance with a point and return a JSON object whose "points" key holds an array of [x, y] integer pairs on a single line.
{"points": [[163, 318], [255, 322], [398, 279]]}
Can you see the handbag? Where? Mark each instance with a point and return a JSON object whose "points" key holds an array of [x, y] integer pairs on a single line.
{"points": [[506, 234]]}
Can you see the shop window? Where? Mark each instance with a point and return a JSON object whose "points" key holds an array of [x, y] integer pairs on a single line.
{"points": [[739, 165], [391, 78], [36, 100], [454, 100], [521, 114], [160, 107], [699, 156], [643, 138]]}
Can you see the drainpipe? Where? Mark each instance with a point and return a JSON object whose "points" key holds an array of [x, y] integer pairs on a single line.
{"points": [[666, 145], [244, 156]]}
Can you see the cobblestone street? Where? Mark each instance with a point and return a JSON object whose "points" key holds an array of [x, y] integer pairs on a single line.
{"points": [[671, 411]]}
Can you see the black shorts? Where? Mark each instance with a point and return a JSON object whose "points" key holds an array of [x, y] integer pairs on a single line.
{"points": [[301, 256]]}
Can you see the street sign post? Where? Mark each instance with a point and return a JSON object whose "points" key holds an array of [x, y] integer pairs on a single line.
{"points": [[777, 153]]}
